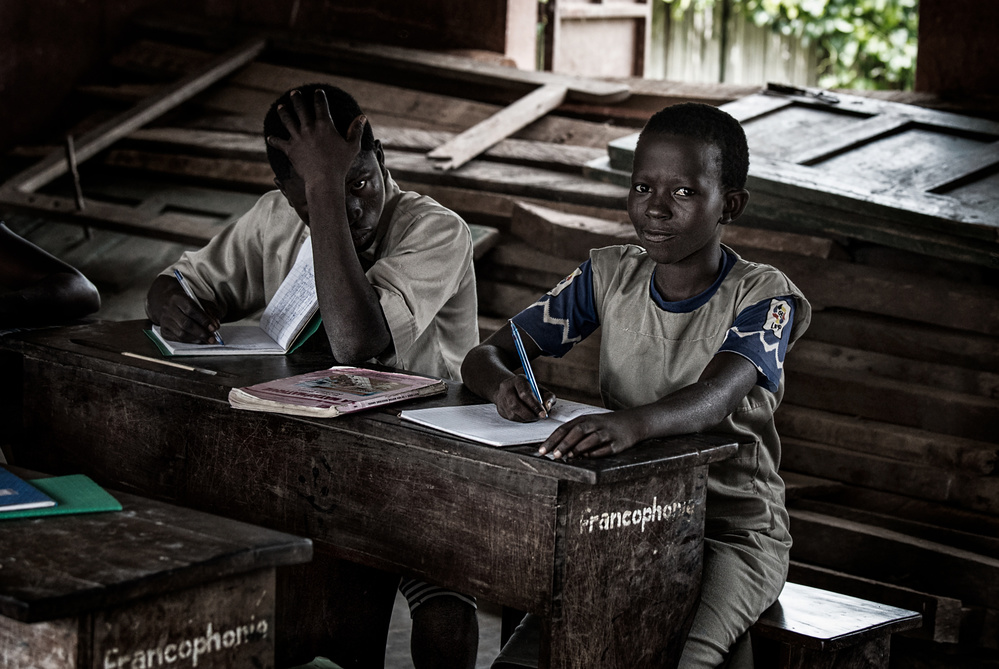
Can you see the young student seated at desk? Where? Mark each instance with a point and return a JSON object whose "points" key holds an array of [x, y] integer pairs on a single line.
{"points": [[693, 339], [396, 286], [36, 288]]}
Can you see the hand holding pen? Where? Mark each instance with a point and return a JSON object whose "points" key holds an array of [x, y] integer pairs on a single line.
{"points": [[525, 363], [190, 294]]}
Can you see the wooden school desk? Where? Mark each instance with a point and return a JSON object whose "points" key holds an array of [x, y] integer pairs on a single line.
{"points": [[608, 551], [150, 585]]}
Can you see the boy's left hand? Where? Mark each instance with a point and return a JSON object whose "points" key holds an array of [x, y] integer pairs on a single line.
{"points": [[593, 435], [315, 148]]}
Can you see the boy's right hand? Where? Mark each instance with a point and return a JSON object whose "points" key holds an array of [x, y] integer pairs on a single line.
{"points": [[515, 400], [179, 318]]}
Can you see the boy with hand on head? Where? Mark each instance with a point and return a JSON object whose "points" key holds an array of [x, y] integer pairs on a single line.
{"points": [[693, 339], [395, 283]]}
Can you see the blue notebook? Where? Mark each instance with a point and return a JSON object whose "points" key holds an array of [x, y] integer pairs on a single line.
{"points": [[16, 494]]}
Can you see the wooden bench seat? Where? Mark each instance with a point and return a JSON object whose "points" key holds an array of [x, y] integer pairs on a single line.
{"points": [[817, 629], [808, 628]]}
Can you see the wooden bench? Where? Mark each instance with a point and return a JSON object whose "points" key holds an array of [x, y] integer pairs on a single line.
{"points": [[807, 628], [817, 629], [153, 585]]}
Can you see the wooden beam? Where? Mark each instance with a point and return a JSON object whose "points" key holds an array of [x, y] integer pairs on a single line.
{"points": [[114, 129], [469, 144]]}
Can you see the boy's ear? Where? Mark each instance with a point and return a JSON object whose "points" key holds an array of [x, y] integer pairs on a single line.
{"points": [[735, 204], [379, 153]]}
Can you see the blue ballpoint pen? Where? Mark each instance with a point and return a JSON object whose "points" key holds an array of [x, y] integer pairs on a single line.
{"points": [[526, 364], [194, 298]]}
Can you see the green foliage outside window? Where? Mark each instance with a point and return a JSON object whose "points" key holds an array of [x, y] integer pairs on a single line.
{"points": [[863, 44]]}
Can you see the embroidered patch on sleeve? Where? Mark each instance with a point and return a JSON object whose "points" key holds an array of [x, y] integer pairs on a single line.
{"points": [[777, 316]]}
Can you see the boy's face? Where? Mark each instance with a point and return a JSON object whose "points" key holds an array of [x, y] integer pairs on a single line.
{"points": [[364, 190], [677, 202]]}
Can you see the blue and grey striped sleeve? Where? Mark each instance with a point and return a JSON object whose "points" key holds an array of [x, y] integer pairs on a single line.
{"points": [[760, 334], [563, 316]]}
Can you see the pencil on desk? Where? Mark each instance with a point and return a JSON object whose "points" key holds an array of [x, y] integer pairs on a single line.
{"points": [[169, 363]]}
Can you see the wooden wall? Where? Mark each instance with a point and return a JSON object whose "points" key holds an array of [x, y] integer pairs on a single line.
{"points": [[957, 48]]}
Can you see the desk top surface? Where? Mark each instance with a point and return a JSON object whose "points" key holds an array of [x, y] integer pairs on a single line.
{"points": [[98, 347], [60, 566]]}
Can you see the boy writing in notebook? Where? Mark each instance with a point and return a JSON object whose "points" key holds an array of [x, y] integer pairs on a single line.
{"points": [[394, 278], [693, 339]]}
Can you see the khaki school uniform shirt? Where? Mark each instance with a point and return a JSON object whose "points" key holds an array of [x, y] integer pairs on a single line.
{"points": [[422, 271]]}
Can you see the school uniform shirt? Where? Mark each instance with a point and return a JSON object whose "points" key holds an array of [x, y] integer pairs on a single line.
{"points": [[650, 348], [421, 268]]}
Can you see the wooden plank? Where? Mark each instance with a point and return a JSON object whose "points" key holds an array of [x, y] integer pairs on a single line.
{"points": [[893, 557], [898, 442], [566, 235], [474, 141], [890, 401], [941, 614], [872, 128], [383, 103], [107, 134], [905, 338], [945, 302], [866, 469], [975, 543], [458, 69], [939, 176], [930, 484], [120, 218], [396, 59], [521, 181], [801, 485], [924, 511], [974, 381], [615, 10]]}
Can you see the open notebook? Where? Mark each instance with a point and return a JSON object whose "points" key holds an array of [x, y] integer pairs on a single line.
{"points": [[289, 319], [482, 423]]}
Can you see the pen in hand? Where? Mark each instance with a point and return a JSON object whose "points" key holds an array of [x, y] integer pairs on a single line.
{"points": [[190, 294], [526, 364]]}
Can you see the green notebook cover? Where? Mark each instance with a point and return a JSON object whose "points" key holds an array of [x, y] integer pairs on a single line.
{"points": [[74, 494]]}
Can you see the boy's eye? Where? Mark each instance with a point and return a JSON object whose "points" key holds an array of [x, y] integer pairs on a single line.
{"points": [[684, 192], [641, 188], [358, 185]]}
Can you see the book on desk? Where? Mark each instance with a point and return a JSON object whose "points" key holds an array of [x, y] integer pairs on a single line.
{"points": [[75, 493], [16, 494], [331, 392], [290, 318]]}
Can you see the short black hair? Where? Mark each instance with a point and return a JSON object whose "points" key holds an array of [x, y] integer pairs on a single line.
{"points": [[708, 123], [343, 109]]}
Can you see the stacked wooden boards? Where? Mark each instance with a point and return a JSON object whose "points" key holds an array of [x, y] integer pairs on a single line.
{"points": [[892, 396]]}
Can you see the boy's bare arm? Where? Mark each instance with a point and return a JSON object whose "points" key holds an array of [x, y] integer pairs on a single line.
{"points": [[726, 380], [178, 316], [488, 372]]}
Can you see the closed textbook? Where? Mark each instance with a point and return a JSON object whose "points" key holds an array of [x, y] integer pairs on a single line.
{"points": [[75, 493], [17, 494], [334, 391]]}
